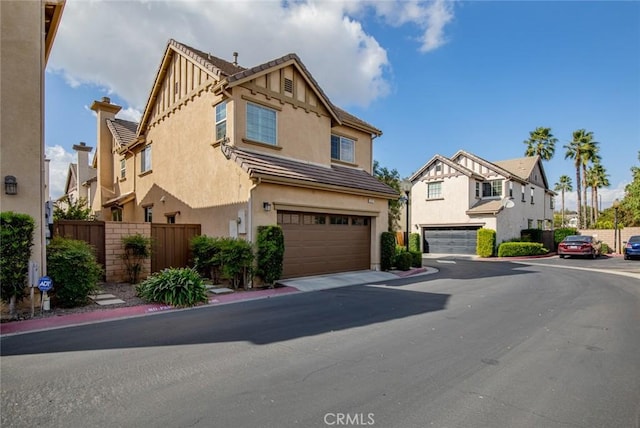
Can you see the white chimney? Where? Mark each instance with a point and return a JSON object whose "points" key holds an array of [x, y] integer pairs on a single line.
{"points": [[83, 168]]}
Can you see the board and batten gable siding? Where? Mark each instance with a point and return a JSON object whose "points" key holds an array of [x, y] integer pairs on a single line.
{"points": [[183, 81]]}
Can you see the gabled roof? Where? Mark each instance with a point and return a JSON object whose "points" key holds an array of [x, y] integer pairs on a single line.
{"points": [[285, 170], [72, 178], [123, 131], [444, 160], [491, 165], [523, 167], [229, 74]]}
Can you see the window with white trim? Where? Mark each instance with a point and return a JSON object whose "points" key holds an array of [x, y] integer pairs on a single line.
{"points": [[145, 159], [492, 188], [148, 214], [261, 124], [511, 189], [123, 168], [342, 148], [434, 190], [221, 120], [532, 195], [522, 193], [477, 190]]}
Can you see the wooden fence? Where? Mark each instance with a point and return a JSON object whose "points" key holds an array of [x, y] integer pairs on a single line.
{"points": [[170, 243]]}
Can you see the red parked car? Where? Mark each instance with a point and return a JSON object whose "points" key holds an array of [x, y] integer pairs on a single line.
{"points": [[579, 245]]}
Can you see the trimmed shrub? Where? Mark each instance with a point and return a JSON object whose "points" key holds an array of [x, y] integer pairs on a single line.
{"points": [[416, 258], [414, 242], [270, 253], [137, 248], [16, 240], [72, 266], [206, 256], [403, 261], [531, 235], [561, 233], [605, 249], [486, 242], [236, 261], [387, 250], [514, 249], [172, 286]]}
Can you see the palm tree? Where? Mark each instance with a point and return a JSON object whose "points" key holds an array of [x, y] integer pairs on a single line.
{"points": [[597, 178], [589, 156], [563, 185], [542, 143], [582, 149]]}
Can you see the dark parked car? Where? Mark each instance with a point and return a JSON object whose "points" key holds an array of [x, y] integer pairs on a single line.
{"points": [[579, 245], [632, 247]]}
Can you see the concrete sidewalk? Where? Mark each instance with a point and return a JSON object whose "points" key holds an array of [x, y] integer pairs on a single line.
{"points": [[305, 284]]}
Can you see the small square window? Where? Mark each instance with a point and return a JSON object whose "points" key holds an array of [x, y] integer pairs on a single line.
{"points": [[342, 148], [434, 190]]}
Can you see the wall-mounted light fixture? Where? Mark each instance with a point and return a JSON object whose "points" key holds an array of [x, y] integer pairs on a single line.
{"points": [[266, 206], [10, 185]]}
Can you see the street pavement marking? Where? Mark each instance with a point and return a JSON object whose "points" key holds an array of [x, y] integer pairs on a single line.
{"points": [[446, 261]]}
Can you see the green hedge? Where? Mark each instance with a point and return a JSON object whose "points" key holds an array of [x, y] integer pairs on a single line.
{"points": [[414, 242], [416, 258], [72, 266], [514, 249], [387, 250], [561, 233], [486, 242], [16, 240], [270, 254], [403, 261]]}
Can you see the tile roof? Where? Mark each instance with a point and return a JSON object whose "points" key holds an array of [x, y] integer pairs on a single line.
{"points": [[522, 167], [209, 61], [262, 165], [234, 73], [124, 131]]}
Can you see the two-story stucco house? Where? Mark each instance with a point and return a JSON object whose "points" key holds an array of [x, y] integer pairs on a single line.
{"points": [[451, 198], [234, 148]]}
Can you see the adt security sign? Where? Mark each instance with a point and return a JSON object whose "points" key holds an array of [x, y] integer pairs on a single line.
{"points": [[45, 283]]}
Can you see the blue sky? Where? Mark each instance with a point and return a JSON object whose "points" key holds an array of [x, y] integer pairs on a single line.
{"points": [[435, 77]]}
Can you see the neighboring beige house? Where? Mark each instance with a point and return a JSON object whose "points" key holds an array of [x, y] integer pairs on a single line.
{"points": [[81, 177], [234, 148], [451, 198], [27, 32]]}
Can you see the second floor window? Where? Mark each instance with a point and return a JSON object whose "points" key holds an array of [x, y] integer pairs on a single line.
{"points": [[511, 189], [492, 189], [123, 168], [145, 159], [552, 202], [342, 149], [434, 190], [261, 124], [532, 195], [221, 120]]}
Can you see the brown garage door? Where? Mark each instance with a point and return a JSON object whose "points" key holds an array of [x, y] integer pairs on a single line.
{"points": [[316, 244]]}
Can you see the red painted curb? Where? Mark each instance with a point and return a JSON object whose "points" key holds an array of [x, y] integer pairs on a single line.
{"points": [[113, 314]]}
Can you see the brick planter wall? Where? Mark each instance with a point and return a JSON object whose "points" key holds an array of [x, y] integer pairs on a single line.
{"points": [[115, 268]]}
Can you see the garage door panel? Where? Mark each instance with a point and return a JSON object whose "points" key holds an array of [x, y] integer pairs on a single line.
{"points": [[451, 241], [314, 249]]}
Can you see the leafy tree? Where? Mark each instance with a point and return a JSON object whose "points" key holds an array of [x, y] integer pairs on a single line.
{"points": [[631, 203], [392, 179], [563, 185], [66, 208], [541, 143], [582, 149]]}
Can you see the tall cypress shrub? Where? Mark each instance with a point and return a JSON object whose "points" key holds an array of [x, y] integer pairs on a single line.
{"points": [[387, 250], [270, 253]]}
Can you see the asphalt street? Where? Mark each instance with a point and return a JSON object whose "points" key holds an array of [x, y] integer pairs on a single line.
{"points": [[479, 344]]}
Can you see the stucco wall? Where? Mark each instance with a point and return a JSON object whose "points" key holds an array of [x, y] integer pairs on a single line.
{"points": [[607, 235], [21, 109]]}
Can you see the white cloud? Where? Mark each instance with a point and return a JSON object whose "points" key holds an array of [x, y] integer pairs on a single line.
{"points": [[58, 169], [119, 44], [606, 196]]}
